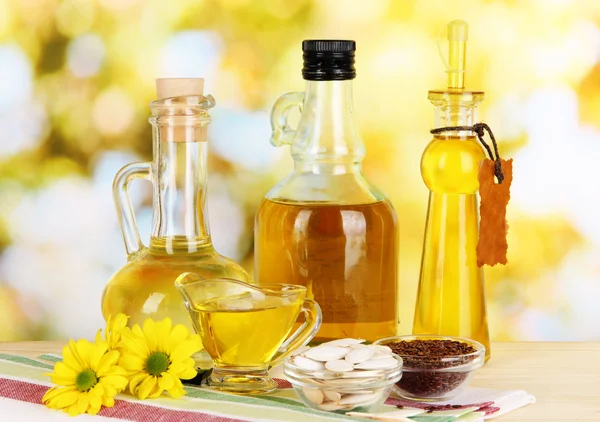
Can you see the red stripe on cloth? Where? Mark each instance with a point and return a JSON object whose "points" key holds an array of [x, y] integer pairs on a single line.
{"points": [[33, 393], [482, 407], [281, 383]]}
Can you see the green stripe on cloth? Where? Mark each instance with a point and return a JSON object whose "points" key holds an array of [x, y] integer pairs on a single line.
{"points": [[265, 401], [50, 358], [25, 361]]}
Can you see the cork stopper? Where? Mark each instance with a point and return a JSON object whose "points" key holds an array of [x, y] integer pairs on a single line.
{"points": [[179, 87]]}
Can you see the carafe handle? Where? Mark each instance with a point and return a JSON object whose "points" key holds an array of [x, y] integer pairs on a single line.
{"points": [[129, 228], [281, 132], [312, 322]]}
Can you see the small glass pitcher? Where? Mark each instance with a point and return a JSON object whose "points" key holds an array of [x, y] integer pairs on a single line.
{"points": [[180, 240], [245, 328]]}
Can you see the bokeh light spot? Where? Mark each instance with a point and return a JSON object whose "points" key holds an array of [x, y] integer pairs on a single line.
{"points": [[119, 5], [85, 55], [16, 84], [74, 17], [113, 111], [192, 54]]}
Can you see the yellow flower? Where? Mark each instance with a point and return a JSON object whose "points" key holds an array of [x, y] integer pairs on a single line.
{"points": [[114, 327], [87, 378], [157, 357]]}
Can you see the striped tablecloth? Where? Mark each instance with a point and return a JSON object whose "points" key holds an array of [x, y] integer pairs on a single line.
{"points": [[23, 383], [23, 379]]}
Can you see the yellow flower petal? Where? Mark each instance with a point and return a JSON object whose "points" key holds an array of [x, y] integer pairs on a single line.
{"points": [[98, 338], [55, 392], [108, 401], [64, 371], [179, 333], [108, 390], [83, 403], [62, 381], [156, 391], [63, 375], [94, 409], [189, 373], [107, 361], [132, 362], [83, 349], [117, 381], [146, 387], [136, 330], [67, 398], [73, 410], [149, 330], [177, 390], [176, 368], [96, 353], [136, 380], [134, 343], [70, 359], [114, 329], [95, 398], [163, 328], [116, 370], [186, 348], [166, 381]]}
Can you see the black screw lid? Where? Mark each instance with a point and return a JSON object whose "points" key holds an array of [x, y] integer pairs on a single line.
{"points": [[328, 60]]}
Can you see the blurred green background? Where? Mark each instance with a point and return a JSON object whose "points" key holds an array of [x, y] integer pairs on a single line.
{"points": [[76, 77]]}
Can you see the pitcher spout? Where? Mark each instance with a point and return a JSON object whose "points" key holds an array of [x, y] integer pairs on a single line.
{"points": [[180, 284]]}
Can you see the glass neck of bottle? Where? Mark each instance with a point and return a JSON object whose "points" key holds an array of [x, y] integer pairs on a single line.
{"points": [[455, 115], [180, 218], [328, 140]]}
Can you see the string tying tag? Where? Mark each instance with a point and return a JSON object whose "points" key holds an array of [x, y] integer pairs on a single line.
{"points": [[492, 245], [480, 129]]}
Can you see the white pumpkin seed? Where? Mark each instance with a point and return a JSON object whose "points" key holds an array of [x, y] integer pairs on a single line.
{"points": [[344, 342], [329, 406], [359, 355], [332, 395], [308, 364], [382, 349], [313, 394], [378, 364], [359, 398], [339, 366], [299, 351], [326, 353]]}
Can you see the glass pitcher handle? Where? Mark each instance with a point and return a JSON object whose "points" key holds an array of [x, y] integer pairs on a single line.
{"points": [[123, 178], [312, 322], [281, 132]]}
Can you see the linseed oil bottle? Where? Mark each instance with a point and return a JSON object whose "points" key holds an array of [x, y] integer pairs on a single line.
{"points": [[325, 226], [451, 298]]}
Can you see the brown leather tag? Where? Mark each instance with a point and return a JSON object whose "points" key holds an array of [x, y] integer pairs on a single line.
{"points": [[493, 228]]}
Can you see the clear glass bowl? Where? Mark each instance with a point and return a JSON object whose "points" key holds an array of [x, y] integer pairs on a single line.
{"points": [[435, 379], [341, 392]]}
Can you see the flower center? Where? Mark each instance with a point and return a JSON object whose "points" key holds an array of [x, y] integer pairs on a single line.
{"points": [[157, 363], [86, 379]]}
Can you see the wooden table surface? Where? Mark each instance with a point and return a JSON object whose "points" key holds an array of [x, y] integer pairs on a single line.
{"points": [[564, 377]]}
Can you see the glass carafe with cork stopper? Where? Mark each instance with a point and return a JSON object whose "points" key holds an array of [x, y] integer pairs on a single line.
{"points": [[325, 226], [180, 240], [451, 299]]}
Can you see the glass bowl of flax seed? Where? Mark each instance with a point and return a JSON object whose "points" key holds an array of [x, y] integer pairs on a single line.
{"points": [[435, 368]]}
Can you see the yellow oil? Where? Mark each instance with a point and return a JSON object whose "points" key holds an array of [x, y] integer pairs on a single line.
{"points": [[344, 254], [451, 297], [245, 337], [144, 287]]}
